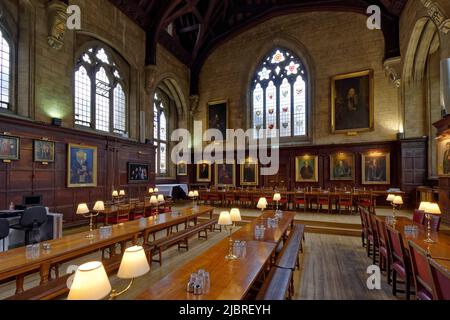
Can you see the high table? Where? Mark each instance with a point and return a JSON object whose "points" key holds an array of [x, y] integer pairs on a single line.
{"points": [[230, 280], [15, 263]]}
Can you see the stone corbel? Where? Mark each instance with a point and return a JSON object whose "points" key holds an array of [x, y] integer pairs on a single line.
{"points": [[193, 104], [392, 68], [150, 77], [437, 15], [57, 22]]}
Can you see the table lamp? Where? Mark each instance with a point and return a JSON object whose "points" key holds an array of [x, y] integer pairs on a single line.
{"points": [[156, 190], [121, 194], [423, 205], [98, 207], [150, 190], [225, 220], [83, 210], [397, 202], [235, 215], [277, 198], [262, 204], [431, 209], [115, 194], [154, 202], [91, 281], [195, 198], [191, 195]]}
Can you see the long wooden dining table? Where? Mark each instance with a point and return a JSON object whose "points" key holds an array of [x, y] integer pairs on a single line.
{"points": [[229, 279], [16, 263], [440, 250]]}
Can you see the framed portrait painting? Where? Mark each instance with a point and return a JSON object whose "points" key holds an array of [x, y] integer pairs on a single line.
{"points": [[218, 117], [43, 151], [181, 168], [9, 148], [138, 172], [342, 166], [249, 173], [204, 171], [225, 174], [376, 168], [81, 166], [352, 102], [443, 157], [307, 168]]}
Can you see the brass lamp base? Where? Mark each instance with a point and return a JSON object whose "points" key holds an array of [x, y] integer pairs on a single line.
{"points": [[230, 257], [429, 240]]}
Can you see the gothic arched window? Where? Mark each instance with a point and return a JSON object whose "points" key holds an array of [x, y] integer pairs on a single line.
{"points": [[279, 95], [5, 72], [100, 99], [160, 112]]}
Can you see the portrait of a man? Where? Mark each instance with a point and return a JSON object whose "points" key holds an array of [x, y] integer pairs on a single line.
{"points": [[203, 172], [342, 166], [446, 159], [9, 148], [82, 165], [376, 168], [44, 151], [352, 102], [182, 169], [249, 173], [225, 174], [217, 117], [306, 169]]}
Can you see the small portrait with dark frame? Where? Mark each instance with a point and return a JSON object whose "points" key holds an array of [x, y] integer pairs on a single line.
{"points": [[249, 173], [376, 168], [342, 166], [182, 168], [225, 174], [9, 148], [218, 117], [138, 172], [203, 171], [44, 151]]}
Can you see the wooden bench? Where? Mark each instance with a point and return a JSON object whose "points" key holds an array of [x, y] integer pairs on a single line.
{"points": [[58, 287], [180, 238], [277, 285]]}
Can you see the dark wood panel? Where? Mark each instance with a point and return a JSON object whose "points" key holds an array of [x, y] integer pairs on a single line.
{"points": [[25, 177]]}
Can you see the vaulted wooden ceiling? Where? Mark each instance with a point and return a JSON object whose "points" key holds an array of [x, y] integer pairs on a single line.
{"points": [[199, 26]]}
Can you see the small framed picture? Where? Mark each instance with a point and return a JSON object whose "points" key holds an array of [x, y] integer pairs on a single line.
{"points": [[443, 157], [225, 174], [376, 168], [249, 173], [342, 166], [9, 148], [138, 172], [182, 168], [218, 117], [204, 171], [44, 151], [307, 168]]}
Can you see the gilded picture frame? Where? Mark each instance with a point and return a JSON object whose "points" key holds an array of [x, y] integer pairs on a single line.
{"points": [[376, 168], [249, 173], [342, 166], [307, 168], [225, 173], [43, 151], [443, 157], [182, 168], [217, 116], [81, 166], [203, 171], [9, 148], [352, 102]]}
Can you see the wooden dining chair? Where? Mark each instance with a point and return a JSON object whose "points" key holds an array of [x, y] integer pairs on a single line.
{"points": [[418, 216], [138, 211], [441, 280], [300, 200], [375, 237], [400, 261], [384, 249], [323, 198], [369, 237], [122, 214], [229, 199], [364, 226], [423, 280], [345, 200], [365, 199]]}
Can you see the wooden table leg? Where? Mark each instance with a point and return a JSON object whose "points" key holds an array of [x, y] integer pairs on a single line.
{"points": [[44, 271], [123, 246], [19, 283]]}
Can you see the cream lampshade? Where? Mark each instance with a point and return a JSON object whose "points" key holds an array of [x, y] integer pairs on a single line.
{"points": [[115, 193], [121, 192], [433, 208], [156, 190], [276, 197], [423, 205], [225, 219], [235, 215], [134, 263], [390, 197], [195, 193], [397, 200], [90, 282], [82, 208], [191, 194], [262, 203], [99, 206], [160, 198], [153, 200], [150, 190]]}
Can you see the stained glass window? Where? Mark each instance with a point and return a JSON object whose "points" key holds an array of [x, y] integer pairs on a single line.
{"points": [[5, 72], [279, 94], [160, 129], [102, 106]]}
